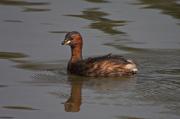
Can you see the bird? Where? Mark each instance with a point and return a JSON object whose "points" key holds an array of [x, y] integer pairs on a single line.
{"points": [[100, 66]]}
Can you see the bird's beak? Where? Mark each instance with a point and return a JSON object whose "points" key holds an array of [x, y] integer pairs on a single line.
{"points": [[66, 42]]}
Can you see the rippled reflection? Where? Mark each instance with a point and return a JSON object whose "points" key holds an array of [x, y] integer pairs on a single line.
{"points": [[18, 107], [99, 22], [26, 5], [74, 101], [126, 48], [7, 117], [97, 1], [13, 21], [108, 85], [11, 55], [3, 86], [28, 9], [170, 7], [21, 2]]}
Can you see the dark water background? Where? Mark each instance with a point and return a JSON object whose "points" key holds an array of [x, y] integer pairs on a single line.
{"points": [[34, 83]]}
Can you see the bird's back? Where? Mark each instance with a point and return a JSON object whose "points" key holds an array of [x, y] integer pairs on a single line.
{"points": [[108, 65]]}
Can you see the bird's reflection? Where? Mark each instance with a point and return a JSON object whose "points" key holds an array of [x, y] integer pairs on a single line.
{"points": [[109, 85], [74, 101]]}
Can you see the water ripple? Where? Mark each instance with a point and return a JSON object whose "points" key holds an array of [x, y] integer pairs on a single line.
{"points": [[100, 22]]}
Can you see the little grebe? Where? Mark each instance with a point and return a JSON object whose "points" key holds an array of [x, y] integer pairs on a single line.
{"points": [[108, 65]]}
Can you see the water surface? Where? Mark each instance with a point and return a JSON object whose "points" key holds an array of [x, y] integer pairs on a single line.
{"points": [[34, 82]]}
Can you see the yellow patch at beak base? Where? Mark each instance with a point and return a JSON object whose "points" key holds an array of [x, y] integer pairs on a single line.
{"points": [[66, 42]]}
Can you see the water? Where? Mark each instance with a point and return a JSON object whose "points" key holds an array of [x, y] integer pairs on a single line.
{"points": [[34, 82]]}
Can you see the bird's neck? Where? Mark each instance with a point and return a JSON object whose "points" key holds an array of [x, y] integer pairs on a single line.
{"points": [[76, 54]]}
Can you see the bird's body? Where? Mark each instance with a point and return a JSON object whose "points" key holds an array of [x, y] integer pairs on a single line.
{"points": [[103, 66]]}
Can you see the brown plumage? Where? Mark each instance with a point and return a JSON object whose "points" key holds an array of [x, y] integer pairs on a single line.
{"points": [[107, 65]]}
